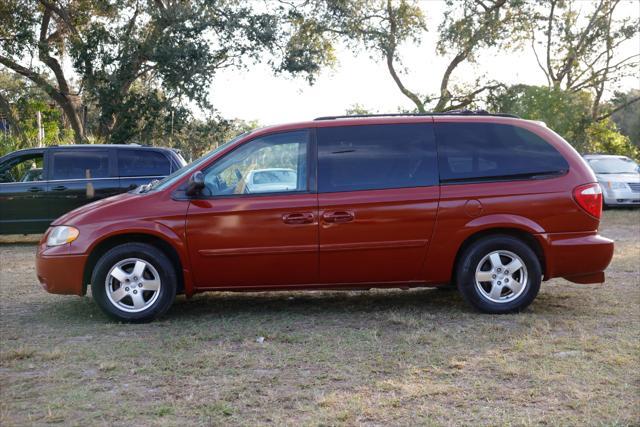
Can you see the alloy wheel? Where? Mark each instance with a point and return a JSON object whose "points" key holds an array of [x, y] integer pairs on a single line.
{"points": [[501, 276], [133, 285]]}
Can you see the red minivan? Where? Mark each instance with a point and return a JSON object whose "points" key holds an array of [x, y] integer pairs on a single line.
{"points": [[488, 202]]}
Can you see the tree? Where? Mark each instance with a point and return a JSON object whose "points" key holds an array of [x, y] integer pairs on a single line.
{"points": [[580, 51], [603, 137], [357, 109], [626, 115], [132, 58], [195, 137], [567, 113], [24, 32], [382, 26], [20, 103], [469, 26], [10, 88]]}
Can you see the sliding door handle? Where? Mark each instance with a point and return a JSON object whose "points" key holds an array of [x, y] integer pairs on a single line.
{"points": [[340, 216], [298, 218]]}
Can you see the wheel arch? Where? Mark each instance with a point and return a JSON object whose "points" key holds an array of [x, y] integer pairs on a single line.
{"points": [[518, 233], [139, 237]]}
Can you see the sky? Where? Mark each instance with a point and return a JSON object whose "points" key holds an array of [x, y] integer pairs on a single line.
{"points": [[256, 94]]}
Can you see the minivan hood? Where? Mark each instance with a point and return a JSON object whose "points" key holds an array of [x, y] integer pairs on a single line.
{"points": [[72, 217]]}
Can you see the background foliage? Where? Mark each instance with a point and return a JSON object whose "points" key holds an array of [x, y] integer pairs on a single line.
{"points": [[136, 71]]}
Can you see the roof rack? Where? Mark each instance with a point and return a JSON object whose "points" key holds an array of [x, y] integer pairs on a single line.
{"points": [[446, 113]]}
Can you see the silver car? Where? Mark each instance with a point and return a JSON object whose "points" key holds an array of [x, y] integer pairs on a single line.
{"points": [[270, 180], [619, 177]]}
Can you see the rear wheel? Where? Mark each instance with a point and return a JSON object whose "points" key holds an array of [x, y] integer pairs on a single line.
{"points": [[134, 282], [499, 274]]}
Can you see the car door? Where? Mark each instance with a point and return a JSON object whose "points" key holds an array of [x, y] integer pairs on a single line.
{"points": [[23, 208], [79, 176], [378, 198], [138, 166], [242, 237]]}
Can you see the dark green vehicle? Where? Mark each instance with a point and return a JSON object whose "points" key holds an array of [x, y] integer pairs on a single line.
{"points": [[38, 185]]}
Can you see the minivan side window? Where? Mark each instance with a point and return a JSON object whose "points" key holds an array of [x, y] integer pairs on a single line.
{"points": [[375, 157], [80, 164], [271, 164], [26, 168], [142, 163], [487, 151]]}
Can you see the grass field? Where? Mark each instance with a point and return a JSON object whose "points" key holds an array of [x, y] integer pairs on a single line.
{"points": [[328, 358]]}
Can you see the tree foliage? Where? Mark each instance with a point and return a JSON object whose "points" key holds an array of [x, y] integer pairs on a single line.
{"points": [[566, 112], [134, 58], [626, 115], [195, 137], [135, 70], [578, 51], [383, 26], [603, 137], [20, 102]]}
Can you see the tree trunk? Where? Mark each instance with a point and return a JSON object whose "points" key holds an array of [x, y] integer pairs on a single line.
{"points": [[68, 103], [72, 109]]}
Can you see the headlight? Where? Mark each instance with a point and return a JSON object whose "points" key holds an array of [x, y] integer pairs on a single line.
{"points": [[62, 235], [616, 185]]}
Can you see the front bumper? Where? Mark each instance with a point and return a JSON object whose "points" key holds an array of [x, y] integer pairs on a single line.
{"points": [[577, 257], [60, 274], [621, 198]]}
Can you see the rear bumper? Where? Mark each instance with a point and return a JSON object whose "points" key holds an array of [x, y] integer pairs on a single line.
{"points": [[578, 257], [61, 274]]}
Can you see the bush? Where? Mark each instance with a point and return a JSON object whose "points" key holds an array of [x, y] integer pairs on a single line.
{"points": [[9, 144], [603, 137]]}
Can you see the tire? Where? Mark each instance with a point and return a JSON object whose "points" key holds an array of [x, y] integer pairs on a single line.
{"points": [[134, 297], [496, 289]]}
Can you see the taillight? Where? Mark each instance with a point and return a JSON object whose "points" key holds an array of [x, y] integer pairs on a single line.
{"points": [[589, 197]]}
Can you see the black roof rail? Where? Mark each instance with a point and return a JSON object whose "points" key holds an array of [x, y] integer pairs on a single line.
{"points": [[446, 113]]}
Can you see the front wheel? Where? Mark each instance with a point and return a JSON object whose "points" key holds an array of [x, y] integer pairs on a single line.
{"points": [[499, 274], [134, 282]]}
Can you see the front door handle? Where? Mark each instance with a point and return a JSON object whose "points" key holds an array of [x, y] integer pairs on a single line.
{"points": [[35, 189], [341, 216], [59, 188], [298, 218]]}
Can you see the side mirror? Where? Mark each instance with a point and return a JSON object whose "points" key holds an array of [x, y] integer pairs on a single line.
{"points": [[195, 184]]}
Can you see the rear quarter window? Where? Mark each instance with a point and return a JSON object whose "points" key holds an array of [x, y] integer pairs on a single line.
{"points": [[488, 151], [142, 163]]}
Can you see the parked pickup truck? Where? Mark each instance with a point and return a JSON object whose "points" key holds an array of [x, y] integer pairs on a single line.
{"points": [[38, 185]]}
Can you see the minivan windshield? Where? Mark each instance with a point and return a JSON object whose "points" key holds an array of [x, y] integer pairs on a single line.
{"points": [[613, 165], [170, 179]]}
